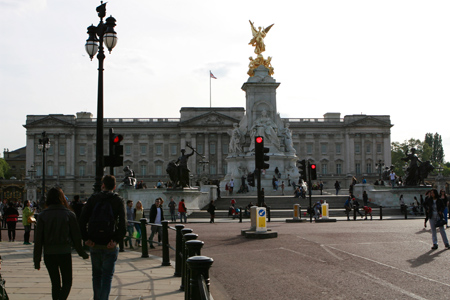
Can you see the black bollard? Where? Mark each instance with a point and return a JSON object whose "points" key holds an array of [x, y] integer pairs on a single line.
{"points": [[381, 212], [240, 214], [144, 237], [179, 241], [199, 266], [186, 237], [354, 212], [268, 213], [183, 260], [193, 248], [165, 242]]}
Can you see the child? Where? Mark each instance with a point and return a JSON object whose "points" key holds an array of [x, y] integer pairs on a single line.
{"points": [[367, 211]]}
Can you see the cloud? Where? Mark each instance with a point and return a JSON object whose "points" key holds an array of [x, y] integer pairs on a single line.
{"points": [[20, 6]]}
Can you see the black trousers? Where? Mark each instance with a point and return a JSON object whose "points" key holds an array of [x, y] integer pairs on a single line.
{"points": [[11, 230], [59, 267]]}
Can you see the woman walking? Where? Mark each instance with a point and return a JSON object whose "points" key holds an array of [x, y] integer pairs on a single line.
{"points": [[57, 231], [138, 215], [27, 212], [435, 210], [11, 215]]}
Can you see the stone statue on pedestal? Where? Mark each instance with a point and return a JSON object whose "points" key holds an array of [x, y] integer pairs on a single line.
{"points": [[265, 127], [235, 139]]}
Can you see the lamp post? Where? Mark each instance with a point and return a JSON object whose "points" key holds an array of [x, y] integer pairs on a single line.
{"points": [[379, 166], [44, 145], [106, 34]]}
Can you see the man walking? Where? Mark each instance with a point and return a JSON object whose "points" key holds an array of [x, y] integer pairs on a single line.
{"points": [[103, 226], [156, 216]]}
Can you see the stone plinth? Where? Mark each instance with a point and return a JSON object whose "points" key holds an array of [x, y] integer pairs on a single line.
{"points": [[387, 196], [194, 198]]}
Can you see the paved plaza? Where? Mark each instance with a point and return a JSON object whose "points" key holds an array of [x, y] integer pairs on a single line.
{"points": [[134, 278]]}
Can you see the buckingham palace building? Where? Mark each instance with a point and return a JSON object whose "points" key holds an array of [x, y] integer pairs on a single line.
{"points": [[341, 147]]}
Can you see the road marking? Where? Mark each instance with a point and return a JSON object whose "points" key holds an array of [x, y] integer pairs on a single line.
{"points": [[299, 253], [389, 266], [390, 285], [329, 251]]}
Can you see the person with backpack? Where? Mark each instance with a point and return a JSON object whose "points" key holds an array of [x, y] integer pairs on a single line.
{"points": [[57, 231], [103, 226]]}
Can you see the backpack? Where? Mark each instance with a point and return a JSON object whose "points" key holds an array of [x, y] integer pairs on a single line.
{"points": [[102, 225]]}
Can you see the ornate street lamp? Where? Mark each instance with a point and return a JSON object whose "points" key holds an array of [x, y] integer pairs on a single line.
{"points": [[102, 33], [44, 145], [379, 166]]}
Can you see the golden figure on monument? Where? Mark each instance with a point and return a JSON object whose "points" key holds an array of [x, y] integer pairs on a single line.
{"points": [[258, 38], [258, 42]]}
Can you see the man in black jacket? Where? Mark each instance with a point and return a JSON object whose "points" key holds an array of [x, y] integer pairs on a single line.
{"points": [[156, 216], [104, 252]]}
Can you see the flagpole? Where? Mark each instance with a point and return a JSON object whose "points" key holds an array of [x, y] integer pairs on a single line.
{"points": [[209, 88]]}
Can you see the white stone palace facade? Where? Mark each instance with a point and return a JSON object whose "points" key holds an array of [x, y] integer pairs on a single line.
{"points": [[341, 147]]}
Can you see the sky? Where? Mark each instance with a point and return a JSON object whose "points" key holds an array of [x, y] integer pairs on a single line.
{"points": [[354, 57]]}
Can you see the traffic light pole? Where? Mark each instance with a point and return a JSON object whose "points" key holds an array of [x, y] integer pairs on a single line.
{"points": [[111, 167], [258, 187], [310, 192]]}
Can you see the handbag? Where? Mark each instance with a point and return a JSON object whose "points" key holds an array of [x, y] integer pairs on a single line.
{"points": [[440, 222], [31, 219]]}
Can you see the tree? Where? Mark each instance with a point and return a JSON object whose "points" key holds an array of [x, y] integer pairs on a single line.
{"points": [[398, 151], [437, 150], [4, 169]]}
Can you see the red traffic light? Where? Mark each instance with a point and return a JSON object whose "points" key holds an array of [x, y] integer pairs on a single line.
{"points": [[259, 139], [313, 167], [117, 139]]}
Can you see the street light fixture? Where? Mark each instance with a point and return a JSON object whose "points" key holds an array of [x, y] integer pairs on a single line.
{"points": [[44, 145], [102, 33]]}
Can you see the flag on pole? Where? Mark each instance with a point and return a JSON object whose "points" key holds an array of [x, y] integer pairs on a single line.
{"points": [[211, 74]]}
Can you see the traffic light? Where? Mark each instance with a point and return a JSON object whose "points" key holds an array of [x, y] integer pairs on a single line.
{"points": [[115, 158], [260, 151], [313, 171], [302, 170]]}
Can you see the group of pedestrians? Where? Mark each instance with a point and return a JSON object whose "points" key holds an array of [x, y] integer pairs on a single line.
{"points": [[101, 224], [436, 212], [9, 215]]}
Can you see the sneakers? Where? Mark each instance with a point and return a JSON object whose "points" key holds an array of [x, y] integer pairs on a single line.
{"points": [[435, 246], [447, 246], [152, 247]]}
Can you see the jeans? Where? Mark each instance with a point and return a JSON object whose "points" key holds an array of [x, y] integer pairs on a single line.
{"points": [[183, 215], [26, 235], [173, 216], [441, 230], [103, 263], [155, 229], [130, 230], [59, 266]]}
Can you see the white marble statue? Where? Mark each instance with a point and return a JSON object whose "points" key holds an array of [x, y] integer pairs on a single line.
{"points": [[235, 139], [287, 135], [265, 127]]}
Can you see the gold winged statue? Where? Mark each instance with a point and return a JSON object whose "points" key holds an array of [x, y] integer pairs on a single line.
{"points": [[258, 42], [258, 38]]}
